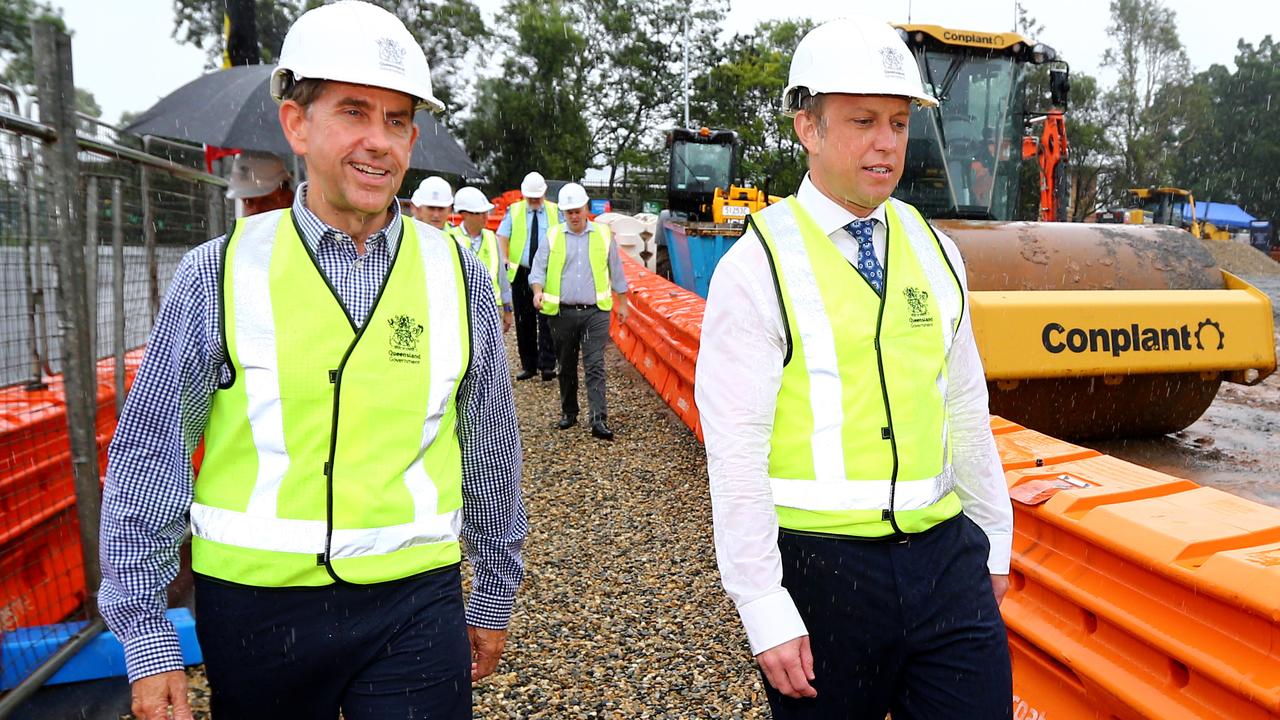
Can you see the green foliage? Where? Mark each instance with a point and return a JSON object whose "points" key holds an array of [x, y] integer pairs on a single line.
{"points": [[533, 115], [1228, 146], [15, 38], [18, 70], [742, 91]]}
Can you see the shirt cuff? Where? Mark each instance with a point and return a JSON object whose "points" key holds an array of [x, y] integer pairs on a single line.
{"points": [[771, 620], [152, 655], [489, 611], [1001, 549]]}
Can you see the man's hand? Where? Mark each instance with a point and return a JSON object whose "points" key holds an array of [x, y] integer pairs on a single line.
{"points": [[507, 320], [153, 694], [486, 649], [624, 310], [537, 299], [789, 667], [1000, 585]]}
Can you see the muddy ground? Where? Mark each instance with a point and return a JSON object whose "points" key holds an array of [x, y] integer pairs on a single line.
{"points": [[1235, 446]]}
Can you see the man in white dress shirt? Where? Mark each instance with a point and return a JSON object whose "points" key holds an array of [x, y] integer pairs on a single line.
{"points": [[862, 521]]}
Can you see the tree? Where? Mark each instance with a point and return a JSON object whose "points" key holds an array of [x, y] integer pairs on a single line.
{"points": [[18, 71], [1229, 143], [200, 23], [636, 55], [452, 34], [532, 116], [1150, 60], [742, 91]]}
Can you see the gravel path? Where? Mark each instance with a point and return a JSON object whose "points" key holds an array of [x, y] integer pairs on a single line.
{"points": [[621, 614]]}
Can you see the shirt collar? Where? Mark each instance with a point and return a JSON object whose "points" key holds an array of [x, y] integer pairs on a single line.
{"points": [[315, 230], [830, 215]]}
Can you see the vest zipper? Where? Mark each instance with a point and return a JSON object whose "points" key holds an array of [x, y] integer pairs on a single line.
{"points": [[884, 390], [335, 377]]}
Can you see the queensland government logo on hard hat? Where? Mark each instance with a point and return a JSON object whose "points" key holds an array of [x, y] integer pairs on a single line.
{"points": [[918, 307], [390, 55], [1208, 335], [405, 332], [892, 61]]}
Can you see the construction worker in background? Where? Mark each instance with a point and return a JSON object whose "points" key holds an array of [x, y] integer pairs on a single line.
{"points": [[260, 182], [522, 233], [862, 522], [358, 424], [575, 276], [474, 208], [433, 202]]}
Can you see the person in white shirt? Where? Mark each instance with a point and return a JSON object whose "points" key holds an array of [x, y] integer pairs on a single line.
{"points": [[862, 521]]}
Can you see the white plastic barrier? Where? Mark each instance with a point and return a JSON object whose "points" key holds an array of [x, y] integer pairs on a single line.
{"points": [[634, 235]]}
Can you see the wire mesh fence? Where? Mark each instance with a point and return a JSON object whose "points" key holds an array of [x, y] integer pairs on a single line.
{"points": [[142, 205]]}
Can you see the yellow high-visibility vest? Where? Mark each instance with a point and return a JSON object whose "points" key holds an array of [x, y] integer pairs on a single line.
{"points": [[312, 471], [859, 444]]}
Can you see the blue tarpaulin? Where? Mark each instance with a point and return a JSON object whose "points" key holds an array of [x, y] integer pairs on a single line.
{"points": [[1222, 215]]}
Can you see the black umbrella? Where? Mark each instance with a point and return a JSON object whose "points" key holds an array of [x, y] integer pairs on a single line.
{"points": [[233, 108]]}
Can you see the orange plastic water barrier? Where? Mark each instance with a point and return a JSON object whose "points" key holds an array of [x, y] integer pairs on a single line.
{"points": [[41, 576], [1134, 594]]}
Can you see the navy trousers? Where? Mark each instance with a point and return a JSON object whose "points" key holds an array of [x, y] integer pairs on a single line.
{"points": [[909, 627], [388, 651]]}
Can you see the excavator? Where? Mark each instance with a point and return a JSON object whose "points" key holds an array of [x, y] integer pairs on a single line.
{"points": [[1085, 330]]}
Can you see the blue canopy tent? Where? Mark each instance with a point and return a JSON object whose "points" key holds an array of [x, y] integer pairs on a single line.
{"points": [[1223, 215]]}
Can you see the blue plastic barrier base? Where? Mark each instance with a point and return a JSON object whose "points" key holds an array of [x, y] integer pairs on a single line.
{"points": [[25, 648]]}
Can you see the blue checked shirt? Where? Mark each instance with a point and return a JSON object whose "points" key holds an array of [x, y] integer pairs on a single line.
{"points": [[149, 484]]}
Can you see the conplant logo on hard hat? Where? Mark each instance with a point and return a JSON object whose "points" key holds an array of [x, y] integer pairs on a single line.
{"points": [[390, 55], [892, 63], [1134, 338]]}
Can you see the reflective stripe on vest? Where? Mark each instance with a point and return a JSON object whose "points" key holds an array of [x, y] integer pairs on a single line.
{"points": [[599, 238], [488, 255], [856, 426], [312, 471], [520, 232]]}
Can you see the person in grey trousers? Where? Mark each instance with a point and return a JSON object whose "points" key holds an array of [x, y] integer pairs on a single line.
{"points": [[575, 278]]}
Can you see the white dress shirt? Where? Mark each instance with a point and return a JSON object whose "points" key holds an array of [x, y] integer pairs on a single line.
{"points": [[738, 375]]}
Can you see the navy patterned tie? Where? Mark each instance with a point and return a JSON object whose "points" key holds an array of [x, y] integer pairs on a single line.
{"points": [[867, 264]]}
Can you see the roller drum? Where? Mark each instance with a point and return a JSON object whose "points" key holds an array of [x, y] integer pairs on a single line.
{"points": [[1004, 256]]}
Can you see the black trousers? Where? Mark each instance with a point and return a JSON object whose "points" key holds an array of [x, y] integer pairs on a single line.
{"points": [[909, 628], [585, 330], [387, 651], [533, 334]]}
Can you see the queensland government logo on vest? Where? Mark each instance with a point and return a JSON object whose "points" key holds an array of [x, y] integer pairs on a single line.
{"points": [[918, 307], [405, 332]]}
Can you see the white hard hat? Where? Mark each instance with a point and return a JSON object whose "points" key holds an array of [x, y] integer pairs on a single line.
{"points": [[533, 185], [254, 174], [470, 199], [433, 192], [856, 56], [572, 197], [354, 42]]}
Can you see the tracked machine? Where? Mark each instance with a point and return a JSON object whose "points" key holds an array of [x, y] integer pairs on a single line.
{"points": [[1085, 330]]}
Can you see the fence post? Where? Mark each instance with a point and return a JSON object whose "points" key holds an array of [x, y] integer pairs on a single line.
{"points": [[149, 234], [56, 90], [117, 286], [91, 211]]}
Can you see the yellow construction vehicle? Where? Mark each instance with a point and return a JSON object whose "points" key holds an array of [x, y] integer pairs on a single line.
{"points": [[1170, 206], [1150, 327]]}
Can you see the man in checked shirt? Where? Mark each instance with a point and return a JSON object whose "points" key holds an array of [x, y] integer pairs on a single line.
{"points": [[345, 368]]}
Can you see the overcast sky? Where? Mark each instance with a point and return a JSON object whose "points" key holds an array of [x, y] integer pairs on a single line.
{"points": [[127, 57]]}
